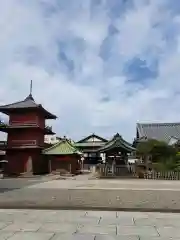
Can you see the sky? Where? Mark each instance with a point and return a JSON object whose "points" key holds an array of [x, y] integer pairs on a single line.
{"points": [[100, 65]]}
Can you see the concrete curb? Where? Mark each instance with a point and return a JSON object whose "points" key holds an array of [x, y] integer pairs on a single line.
{"points": [[47, 207]]}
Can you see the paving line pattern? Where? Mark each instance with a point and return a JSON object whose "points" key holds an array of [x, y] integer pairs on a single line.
{"points": [[87, 225]]}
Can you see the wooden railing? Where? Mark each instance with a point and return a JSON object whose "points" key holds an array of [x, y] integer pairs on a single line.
{"points": [[3, 124], [163, 175], [116, 171], [3, 143], [48, 127], [17, 123], [18, 143], [28, 123]]}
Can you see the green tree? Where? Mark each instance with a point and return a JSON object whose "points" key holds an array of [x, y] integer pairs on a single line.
{"points": [[159, 152], [162, 152], [146, 147]]}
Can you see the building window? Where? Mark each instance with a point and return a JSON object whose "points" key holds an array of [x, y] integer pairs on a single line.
{"points": [[92, 155]]}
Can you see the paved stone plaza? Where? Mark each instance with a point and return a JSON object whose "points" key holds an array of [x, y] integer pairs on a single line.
{"points": [[87, 225], [82, 182]]}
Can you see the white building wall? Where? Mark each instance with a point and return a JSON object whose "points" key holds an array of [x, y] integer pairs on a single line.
{"points": [[51, 139]]}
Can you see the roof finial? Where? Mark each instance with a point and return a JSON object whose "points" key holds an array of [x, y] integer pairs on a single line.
{"points": [[30, 88], [30, 97]]}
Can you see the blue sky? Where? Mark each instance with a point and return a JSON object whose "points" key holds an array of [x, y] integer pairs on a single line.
{"points": [[100, 65]]}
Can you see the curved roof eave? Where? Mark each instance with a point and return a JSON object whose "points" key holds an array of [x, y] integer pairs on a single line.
{"points": [[27, 103], [117, 142], [115, 145], [74, 150], [47, 113]]}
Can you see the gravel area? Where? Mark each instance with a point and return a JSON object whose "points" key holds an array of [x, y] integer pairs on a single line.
{"points": [[92, 199], [81, 193]]}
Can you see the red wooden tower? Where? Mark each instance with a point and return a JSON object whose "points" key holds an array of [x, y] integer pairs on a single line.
{"points": [[25, 140]]}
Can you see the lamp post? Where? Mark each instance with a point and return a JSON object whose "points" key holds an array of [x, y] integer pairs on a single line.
{"points": [[82, 165]]}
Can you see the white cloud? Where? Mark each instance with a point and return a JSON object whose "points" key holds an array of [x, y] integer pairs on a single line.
{"points": [[32, 33]]}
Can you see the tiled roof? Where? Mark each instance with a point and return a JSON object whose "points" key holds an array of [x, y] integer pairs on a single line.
{"points": [[159, 131], [117, 142], [92, 140], [92, 136], [63, 147], [28, 102], [89, 144]]}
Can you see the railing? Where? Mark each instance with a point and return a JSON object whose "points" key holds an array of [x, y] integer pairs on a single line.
{"points": [[18, 123], [24, 123], [28, 123], [49, 128], [163, 175], [19, 143], [3, 143], [3, 124]]}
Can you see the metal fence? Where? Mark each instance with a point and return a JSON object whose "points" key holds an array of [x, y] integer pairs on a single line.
{"points": [[164, 175]]}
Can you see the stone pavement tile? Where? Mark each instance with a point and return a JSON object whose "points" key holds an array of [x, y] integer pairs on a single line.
{"points": [[158, 238], [164, 215], [158, 222], [70, 219], [137, 231], [132, 214], [79, 213], [85, 220], [97, 229], [59, 228], [12, 211], [45, 217], [53, 218], [73, 237], [102, 214], [20, 219], [31, 236], [57, 216], [5, 217], [3, 225], [6, 235], [41, 213], [168, 216], [123, 221], [172, 232], [11, 216], [24, 227], [108, 237], [69, 213]]}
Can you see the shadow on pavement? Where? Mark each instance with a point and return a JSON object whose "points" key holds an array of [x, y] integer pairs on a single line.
{"points": [[7, 185], [3, 190]]}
